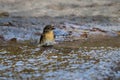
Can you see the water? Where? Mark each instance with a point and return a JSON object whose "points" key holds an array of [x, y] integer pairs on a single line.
{"points": [[94, 58], [95, 63]]}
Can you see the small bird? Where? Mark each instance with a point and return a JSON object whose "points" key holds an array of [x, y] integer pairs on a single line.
{"points": [[47, 37]]}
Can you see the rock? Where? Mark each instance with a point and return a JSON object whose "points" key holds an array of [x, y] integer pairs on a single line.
{"points": [[8, 24], [13, 40], [4, 14], [97, 29], [2, 38], [84, 35]]}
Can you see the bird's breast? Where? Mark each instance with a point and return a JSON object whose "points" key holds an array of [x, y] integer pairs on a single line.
{"points": [[49, 36]]}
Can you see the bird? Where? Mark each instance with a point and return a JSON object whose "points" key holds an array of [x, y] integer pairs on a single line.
{"points": [[47, 37]]}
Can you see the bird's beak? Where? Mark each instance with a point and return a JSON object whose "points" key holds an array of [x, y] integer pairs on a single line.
{"points": [[53, 27]]}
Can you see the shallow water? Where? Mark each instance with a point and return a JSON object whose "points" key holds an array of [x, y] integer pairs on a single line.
{"points": [[20, 61], [94, 58]]}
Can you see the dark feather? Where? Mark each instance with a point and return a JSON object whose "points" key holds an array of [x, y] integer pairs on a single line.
{"points": [[41, 39]]}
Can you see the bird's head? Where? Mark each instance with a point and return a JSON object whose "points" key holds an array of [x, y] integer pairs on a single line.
{"points": [[48, 28]]}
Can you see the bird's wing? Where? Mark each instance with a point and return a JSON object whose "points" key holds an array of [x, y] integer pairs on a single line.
{"points": [[41, 39]]}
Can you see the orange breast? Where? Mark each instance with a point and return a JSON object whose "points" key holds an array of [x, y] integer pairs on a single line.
{"points": [[49, 36]]}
